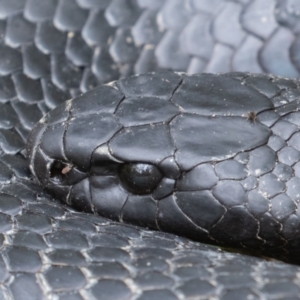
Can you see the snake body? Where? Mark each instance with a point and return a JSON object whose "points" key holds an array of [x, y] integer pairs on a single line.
{"points": [[52, 51]]}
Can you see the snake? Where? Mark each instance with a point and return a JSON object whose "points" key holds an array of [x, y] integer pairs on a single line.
{"points": [[153, 186]]}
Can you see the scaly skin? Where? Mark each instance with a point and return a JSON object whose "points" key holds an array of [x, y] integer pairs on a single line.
{"points": [[52, 51], [223, 178]]}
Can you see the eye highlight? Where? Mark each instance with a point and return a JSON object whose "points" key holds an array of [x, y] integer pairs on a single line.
{"points": [[139, 178]]}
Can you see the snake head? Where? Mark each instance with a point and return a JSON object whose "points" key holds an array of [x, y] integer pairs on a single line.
{"points": [[144, 150]]}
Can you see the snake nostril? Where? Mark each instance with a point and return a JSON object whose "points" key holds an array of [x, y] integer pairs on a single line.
{"points": [[64, 174], [59, 169]]}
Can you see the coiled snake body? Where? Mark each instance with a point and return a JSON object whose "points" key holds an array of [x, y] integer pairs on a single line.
{"points": [[213, 158]]}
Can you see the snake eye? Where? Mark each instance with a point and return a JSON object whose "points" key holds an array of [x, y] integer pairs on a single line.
{"points": [[139, 178]]}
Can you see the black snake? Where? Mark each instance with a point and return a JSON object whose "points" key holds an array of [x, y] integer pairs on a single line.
{"points": [[91, 152]]}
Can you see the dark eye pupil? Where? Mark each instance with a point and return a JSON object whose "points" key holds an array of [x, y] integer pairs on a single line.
{"points": [[139, 178]]}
